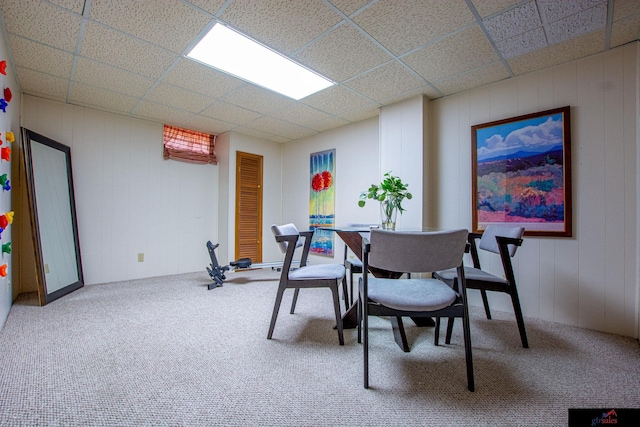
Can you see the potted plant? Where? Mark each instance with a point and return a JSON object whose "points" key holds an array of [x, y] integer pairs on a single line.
{"points": [[390, 193]]}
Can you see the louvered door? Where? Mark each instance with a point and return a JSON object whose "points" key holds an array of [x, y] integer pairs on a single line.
{"points": [[249, 206]]}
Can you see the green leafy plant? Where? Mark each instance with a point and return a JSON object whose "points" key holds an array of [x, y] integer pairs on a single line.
{"points": [[390, 193]]}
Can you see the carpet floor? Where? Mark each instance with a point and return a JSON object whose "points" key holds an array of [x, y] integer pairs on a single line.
{"points": [[166, 351]]}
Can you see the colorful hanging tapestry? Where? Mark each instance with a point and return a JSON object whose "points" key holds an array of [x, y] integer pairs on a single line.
{"points": [[322, 201]]}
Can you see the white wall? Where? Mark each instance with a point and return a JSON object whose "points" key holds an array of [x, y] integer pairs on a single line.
{"points": [[9, 122], [357, 167], [590, 280], [129, 199], [403, 153]]}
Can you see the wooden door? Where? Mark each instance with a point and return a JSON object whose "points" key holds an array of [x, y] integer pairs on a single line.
{"points": [[248, 206]]}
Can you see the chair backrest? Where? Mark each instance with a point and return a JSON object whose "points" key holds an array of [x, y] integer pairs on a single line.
{"points": [[417, 252], [284, 230], [488, 241]]}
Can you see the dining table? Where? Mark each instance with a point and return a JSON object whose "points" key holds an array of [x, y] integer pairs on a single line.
{"points": [[352, 236]]}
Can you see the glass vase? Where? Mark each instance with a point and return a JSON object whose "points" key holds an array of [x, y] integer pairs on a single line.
{"points": [[388, 213]]}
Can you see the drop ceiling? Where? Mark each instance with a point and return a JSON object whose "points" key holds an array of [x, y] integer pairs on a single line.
{"points": [[129, 56]]}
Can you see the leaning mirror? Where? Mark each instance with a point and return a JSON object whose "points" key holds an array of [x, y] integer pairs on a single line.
{"points": [[53, 216]]}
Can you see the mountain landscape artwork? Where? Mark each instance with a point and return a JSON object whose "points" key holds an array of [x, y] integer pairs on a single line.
{"points": [[521, 173]]}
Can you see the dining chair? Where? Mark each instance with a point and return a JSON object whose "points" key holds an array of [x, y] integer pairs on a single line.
{"points": [[501, 240], [354, 265], [413, 252], [305, 276]]}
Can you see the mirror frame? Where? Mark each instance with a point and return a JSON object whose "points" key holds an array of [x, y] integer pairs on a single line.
{"points": [[29, 138]]}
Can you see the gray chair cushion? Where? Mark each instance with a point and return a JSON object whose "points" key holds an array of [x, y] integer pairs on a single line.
{"points": [[285, 230], [488, 241], [319, 271], [354, 262], [471, 274], [411, 294]]}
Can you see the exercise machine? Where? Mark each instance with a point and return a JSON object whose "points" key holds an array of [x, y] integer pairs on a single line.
{"points": [[216, 271]]}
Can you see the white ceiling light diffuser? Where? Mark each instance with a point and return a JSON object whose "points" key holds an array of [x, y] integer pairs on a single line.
{"points": [[238, 55]]}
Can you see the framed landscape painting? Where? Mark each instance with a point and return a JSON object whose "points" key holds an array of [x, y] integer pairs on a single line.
{"points": [[522, 173]]}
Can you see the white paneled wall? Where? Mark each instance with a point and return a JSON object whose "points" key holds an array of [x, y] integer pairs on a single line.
{"points": [[402, 146], [591, 279], [129, 199], [357, 161]]}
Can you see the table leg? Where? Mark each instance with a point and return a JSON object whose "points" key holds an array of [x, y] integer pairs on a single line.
{"points": [[350, 317], [399, 334]]}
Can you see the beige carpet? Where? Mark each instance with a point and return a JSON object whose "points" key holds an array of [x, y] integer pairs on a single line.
{"points": [[168, 352]]}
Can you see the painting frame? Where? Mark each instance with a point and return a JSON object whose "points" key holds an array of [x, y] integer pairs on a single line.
{"points": [[521, 173], [322, 204]]}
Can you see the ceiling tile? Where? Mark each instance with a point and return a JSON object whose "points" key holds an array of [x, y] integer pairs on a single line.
{"points": [[336, 100], [427, 90], [558, 53], [385, 81], [41, 84], [75, 6], [522, 43], [36, 56], [489, 7], [372, 110], [554, 10], [161, 113], [349, 6], [91, 96], [453, 55], [342, 54], [177, 97], [283, 25], [26, 17], [262, 135], [625, 30], [257, 99], [414, 23], [300, 114], [230, 113], [211, 6], [114, 48], [208, 125], [281, 127], [114, 79], [576, 25], [133, 49], [170, 24], [477, 77], [197, 77], [327, 123], [515, 21]]}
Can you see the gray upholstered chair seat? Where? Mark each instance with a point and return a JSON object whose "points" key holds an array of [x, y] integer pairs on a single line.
{"points": [[471, 274], [411, 294], [319, 271], [385, 254], [355, 262], [498, 239], [306, 276]]}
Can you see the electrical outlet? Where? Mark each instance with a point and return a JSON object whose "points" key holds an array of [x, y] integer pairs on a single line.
{"points": [[46, 268], [140, 257]]}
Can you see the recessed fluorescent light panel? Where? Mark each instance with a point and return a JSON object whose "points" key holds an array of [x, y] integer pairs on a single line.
{"points": [[236, 54]]}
